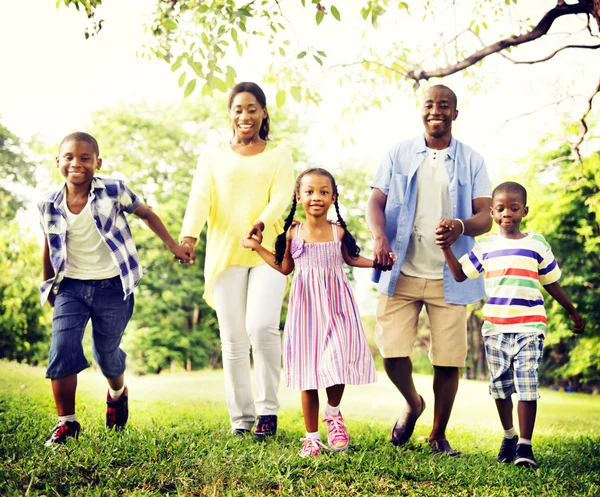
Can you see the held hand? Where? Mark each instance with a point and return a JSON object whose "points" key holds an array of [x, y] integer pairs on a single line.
{"points": [[393, 257], [447, 232], [578, 323], [190, 250], [383, 257], [250, 242], [256, 230], [182, 253]]}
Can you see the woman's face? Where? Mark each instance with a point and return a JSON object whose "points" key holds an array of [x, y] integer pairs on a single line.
{"points": [[246, 116]]}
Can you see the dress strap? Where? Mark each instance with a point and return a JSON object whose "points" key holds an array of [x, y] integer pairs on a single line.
{"points": [[298, 230], [335, 231]]}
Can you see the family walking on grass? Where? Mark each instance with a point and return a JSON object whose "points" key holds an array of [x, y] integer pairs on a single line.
{"points": [[430, 198]]}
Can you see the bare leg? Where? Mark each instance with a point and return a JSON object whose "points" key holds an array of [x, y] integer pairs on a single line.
{"points": [[64, 394], [399, 371], [527, 411], [116, 383], [310, 410], [334, 394], [505, 411], [445, 386]]}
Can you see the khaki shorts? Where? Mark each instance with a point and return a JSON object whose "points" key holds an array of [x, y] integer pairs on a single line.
{"points": [[397, 319]]}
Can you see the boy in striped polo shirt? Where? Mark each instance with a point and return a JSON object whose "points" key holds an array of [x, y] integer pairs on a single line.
{"points": [[514, 264]]}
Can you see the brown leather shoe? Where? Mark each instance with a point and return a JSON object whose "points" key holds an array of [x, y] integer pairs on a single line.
{"points": [[441, 446], [405, 425]]}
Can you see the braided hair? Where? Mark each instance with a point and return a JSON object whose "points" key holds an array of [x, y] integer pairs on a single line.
{"points": [[348, 240]]}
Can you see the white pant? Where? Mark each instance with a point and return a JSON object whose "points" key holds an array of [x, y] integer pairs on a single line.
{"points": [[248, 303]]}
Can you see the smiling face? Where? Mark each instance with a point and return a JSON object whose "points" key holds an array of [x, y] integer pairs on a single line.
{"points": [[508, 209], [246, 116], [315, 194], [438, 112], [78, 161]]}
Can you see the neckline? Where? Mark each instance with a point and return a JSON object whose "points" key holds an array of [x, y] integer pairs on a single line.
{"points": [[267, 148], [333, 228]]}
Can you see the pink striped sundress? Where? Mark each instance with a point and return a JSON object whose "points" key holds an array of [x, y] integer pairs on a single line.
{"points": [[324, 342]]}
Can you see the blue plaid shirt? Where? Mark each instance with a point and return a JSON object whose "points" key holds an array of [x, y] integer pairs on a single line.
{"points": [[109, 199], [397, 178]]}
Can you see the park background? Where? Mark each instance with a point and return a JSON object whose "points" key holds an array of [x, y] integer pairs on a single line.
{"points": [[149, 85]]}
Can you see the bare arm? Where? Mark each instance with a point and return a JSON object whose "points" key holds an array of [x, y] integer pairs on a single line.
{"points": [[287, 264], [556, 291], [152, 220], [382, 253], [454, 265], [47, 270], [448, 230]]}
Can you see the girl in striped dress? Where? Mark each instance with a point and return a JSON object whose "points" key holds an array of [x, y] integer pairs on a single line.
{"points": [[324, 344]]}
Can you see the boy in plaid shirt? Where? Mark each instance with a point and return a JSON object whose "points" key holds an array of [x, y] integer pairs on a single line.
{"points": [[90, 268], [514, 264]]}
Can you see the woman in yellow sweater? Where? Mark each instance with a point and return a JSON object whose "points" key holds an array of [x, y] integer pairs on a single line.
{"points": [[241, 187]]}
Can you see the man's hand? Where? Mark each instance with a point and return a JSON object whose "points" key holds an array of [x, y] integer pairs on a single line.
{"points": [[383, 257], [447, 232]]}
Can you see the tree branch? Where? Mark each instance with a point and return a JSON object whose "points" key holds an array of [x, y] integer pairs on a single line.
{"points": [[548, 57], [543, 26], [583, 127]]}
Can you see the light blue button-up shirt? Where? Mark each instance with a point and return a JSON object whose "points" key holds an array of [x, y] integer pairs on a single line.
{"points": [[397, 178]]}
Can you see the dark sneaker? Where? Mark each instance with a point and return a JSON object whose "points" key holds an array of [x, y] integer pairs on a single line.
{"points": [[239, 432], [508, 449], [117, 411], [524, 456], [61, 432]]}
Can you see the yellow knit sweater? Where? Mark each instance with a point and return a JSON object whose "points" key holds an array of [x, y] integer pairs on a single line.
{"points": [[232, 192]]}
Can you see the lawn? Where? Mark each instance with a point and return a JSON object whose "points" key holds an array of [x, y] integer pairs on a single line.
{"points": [[177, 443]]}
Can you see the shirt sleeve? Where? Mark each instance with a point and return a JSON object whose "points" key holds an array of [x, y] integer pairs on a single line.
{"points": [[128, 200], [199, 201], [471, 262], [281, 191], [383, 177], [481, 181], [548, 269]]}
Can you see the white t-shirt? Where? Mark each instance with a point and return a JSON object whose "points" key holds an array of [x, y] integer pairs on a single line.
{"points": [[424, 259], [88, 257]]}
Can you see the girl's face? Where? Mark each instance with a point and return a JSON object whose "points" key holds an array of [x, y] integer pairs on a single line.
{"points": [[246, 116], [315, 195]]}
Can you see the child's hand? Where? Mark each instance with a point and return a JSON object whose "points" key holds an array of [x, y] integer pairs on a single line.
{"points": [[190, 247], [182, 253], [446, 233], [578, 323], [250, 242]]}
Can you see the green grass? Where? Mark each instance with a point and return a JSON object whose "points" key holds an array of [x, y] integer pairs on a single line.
{"points": [[177, 443]]}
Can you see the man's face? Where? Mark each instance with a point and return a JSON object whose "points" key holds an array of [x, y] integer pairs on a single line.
{"points": [[438, 112]]}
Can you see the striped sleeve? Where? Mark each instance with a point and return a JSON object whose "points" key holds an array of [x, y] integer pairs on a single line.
{"points": [[472, 262], [548, 267]]}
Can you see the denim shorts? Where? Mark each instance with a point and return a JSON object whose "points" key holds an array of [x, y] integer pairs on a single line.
{"points": [[76, 303], [514, 360]]}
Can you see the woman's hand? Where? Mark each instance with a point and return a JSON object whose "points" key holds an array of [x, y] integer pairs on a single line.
{"points": [[250, 242], [255, 231], [189, 244]]}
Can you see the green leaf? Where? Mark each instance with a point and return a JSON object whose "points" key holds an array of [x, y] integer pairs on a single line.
{"points": [[181, 80], [207, 90], [280, 98], [282, 52], [169, 24], [303, 3], [189, 88], [234, 35], [301, 55], [335, 12], [231, 70], [321, 53], [364, 13], [220, 84], [239, 48], [318, 60], [319, 17], [296, 94]]}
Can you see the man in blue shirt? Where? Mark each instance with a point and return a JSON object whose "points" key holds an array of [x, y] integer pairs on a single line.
{"points": [[420, 182]]}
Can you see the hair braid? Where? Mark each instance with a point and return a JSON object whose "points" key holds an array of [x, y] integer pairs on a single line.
{"points": [[281, 240], [348, 240]]}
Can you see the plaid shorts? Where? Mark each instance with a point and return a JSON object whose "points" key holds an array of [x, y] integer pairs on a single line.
{"points": [[514, 360]]}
